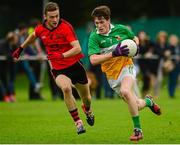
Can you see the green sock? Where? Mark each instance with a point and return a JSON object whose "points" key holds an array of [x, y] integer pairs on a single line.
{"points": [[136, 122], [148, 102]]}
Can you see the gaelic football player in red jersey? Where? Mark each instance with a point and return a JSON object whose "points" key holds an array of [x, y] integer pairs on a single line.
{"points": [[64, 54]]}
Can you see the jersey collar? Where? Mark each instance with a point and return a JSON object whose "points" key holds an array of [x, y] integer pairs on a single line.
{"points": [[111, 27]]}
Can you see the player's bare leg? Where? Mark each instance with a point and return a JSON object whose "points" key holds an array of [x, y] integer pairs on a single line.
{"points": [[149, 102], [126, 91], [66, 86], [84, 92]]}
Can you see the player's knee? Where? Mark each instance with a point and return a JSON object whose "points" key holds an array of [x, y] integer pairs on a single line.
{"points": [[125, 93], [66, 89]]}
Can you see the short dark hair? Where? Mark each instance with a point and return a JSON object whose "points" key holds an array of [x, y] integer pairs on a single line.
{"points": [[51, 6], [101, 11]]}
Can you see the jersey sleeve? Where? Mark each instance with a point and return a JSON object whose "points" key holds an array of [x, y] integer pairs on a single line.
{"points": [[37, 30], [93, 46], [129, 33], [70, 33]]}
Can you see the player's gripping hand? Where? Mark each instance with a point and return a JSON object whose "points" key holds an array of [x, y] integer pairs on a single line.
{"points": [[17, 52], [55, 56], [120, 50], [138, 49]]}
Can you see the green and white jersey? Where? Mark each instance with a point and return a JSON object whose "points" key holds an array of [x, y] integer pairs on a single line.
{"points": [[105, 43]]}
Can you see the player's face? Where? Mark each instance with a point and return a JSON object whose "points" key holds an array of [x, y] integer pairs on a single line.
{"points": [[102, 25], [52, 18]]}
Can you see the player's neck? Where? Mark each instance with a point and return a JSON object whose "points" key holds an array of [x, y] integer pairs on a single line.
{"points": [[49, 26]]}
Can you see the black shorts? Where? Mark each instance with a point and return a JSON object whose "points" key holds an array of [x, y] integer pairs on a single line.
{"points": [[76, 73]]}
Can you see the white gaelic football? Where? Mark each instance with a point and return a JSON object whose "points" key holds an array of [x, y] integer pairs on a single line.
{"points": [[133, 48]]}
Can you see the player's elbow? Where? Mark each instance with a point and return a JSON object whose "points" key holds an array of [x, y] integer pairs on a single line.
{"points": [[78, 50], [93, 60]]}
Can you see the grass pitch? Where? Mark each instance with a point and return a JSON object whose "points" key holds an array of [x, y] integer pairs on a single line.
{"points": [[48, 122]]}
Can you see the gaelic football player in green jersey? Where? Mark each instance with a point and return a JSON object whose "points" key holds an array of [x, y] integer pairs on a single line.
{"points": [[105, 48]]}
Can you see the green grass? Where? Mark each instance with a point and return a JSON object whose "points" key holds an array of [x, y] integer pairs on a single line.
{"points": [[34, 122]]}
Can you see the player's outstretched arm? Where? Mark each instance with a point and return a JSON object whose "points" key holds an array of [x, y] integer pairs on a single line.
{"points": [[28, 41]]}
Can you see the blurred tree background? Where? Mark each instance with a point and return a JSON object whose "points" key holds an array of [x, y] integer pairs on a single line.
{"points": [[78, 12]]}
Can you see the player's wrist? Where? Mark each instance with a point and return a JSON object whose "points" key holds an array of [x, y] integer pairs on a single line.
{"points": [[62, 55], [114, 54], [20, 47]]}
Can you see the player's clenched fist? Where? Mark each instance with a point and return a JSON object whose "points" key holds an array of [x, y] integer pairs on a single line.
{"points": [[17, 52]]}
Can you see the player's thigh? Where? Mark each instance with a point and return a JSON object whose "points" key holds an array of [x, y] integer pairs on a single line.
{"points": [[63, 81], [83, 89], [125, 80], [127, 83]]}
